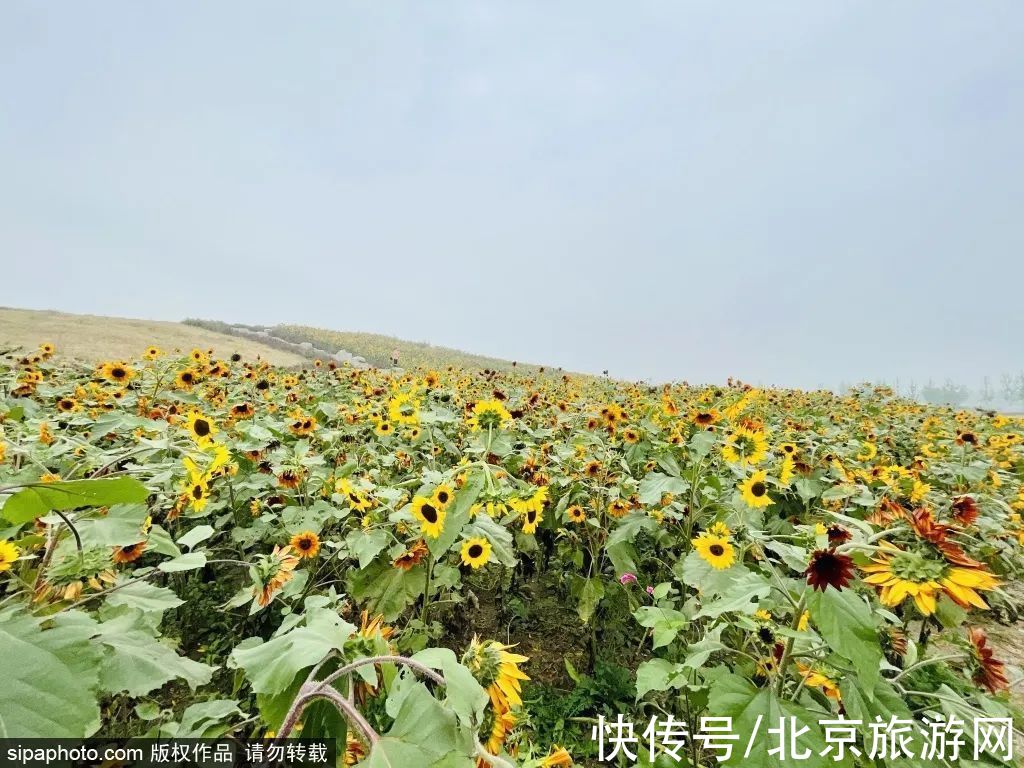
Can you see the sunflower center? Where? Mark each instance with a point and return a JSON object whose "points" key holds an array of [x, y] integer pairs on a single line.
{"points": [[475, 551], [305, 544], [201, 427], [758, 489], [717, 550], [429, 513], [197, 491]]}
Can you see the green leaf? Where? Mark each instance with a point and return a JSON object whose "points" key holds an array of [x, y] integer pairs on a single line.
{"points": [[195, 536], [386, 589], [136, 662], [464, 694], [36, 500], [272, 666], [122, 525], [208, 719], [590, 594], [658, 675], [655, 485], [666, 623], [735, 697], [45, 696], [422, 721], [741, 594], [147, 597], [620, 547], [188, 562], [845, 622], [885, 703], [366, 545]]}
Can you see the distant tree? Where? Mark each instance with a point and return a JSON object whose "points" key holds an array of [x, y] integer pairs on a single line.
{"points": [[946, 394], [986, 394]]}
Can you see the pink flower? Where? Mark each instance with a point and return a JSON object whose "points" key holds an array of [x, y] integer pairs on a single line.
{"points": [[650, 590], [627, 578]]}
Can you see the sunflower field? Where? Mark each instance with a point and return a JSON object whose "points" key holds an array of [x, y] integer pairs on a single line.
{"points": [[468, 567]]}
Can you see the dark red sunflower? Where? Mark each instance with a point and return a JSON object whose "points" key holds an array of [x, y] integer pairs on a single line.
{"points": [[965, 510], [829, 568], [990, 672]]}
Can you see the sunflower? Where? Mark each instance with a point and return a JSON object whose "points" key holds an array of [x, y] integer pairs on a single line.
{"points": [[302, 426], [117, 372], [618, 508], [202, 428], [198, 492], [291, 478], [242, 411], [489, 414], [704, 418], [828, 568], [47, 349], [965, 510], [412, 556], [816, 679], [384, 428], [273, 572], [151, 353], [129, 553], [531, 519], [717, 551], [476, 552], [431, 516], [576, 514], [745, 446], [357, 499], [186, 379], [496, 727], [754, 491], [306, 544], [497, 670], [403, 408], [8, 554], [443, 495], [989, 671], [558, 758], [899, 574], [67, 405]]}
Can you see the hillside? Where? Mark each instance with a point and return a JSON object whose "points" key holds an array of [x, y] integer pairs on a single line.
{"points": [[91, 337], [374, 348]]}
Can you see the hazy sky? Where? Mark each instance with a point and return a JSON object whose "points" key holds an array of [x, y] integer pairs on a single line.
{"points": [[790, 192]]}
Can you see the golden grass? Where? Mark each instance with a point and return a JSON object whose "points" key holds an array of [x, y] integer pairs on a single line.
{"points": [[91, 338]]}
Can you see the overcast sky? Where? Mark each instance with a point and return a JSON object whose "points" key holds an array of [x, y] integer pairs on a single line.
{"points": [[796, 193]]}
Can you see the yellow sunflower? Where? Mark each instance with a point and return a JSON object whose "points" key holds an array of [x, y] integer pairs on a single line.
{"points": [[117, 372], [430, 515], [201, 427], [899, 574], [489, 414], [745, 446], [443, 495], [498, 671], [306, 544], [8, 554], [715, 550], [754, 490], [476, 552], [576, 514]]}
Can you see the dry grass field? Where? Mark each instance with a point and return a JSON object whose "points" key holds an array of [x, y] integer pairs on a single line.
{"points": [[91, 338]]}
